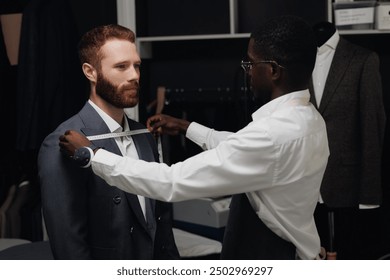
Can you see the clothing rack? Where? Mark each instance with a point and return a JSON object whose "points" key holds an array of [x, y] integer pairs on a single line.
{"points": [[208, 95]]}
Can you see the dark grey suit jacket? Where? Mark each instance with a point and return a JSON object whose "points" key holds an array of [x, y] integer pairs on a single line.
{"points": [[88, 219], [352, 107]]}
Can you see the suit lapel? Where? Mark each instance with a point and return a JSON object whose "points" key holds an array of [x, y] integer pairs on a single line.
{"points": [[145, 152], [312, 95], [338, 68], [95, 125], [141, 144]]}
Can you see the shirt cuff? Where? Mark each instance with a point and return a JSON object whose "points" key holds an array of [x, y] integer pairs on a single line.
{"points": [[197, 133], [104, 157]]}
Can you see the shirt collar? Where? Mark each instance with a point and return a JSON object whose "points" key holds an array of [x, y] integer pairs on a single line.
{"points": [[286, 100], [113, 126], [331, 43]]}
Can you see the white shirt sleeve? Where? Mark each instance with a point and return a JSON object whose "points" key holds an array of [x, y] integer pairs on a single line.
{"points": [[206, 138], [234, 166]]}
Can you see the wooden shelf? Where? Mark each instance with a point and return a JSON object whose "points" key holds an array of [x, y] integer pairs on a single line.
{"points": [[193, 37], [363, 32]]}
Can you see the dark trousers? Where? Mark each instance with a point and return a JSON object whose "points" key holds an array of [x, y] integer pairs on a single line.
{"points": [[247, 237]]}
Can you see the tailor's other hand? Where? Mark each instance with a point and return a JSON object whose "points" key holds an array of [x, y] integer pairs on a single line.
{"points": [[71, 141]]}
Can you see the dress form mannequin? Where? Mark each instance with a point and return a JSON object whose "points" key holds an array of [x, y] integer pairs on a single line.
{"points": [[352, 98], [323, 31]]}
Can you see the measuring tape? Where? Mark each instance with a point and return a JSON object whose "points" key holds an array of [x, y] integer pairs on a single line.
{"points": [[117, 134]]}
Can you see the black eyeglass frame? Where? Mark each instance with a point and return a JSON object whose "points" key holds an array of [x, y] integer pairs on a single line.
{"points": [[248, 65]]}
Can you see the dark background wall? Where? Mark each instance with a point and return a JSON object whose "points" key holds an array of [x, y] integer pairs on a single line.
{"points": [[90, 13]]}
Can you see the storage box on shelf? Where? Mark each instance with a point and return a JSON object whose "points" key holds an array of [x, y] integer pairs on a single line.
{"points": [[354, 15], [382, 16]]}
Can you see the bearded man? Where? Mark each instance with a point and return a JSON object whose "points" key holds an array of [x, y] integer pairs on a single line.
{"points": [[85, 219]]}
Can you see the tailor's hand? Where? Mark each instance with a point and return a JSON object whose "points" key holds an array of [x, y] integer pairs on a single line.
{"points": [[71, 141], [164, 124]]}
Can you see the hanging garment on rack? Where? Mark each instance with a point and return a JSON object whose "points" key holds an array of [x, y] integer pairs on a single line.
{"points": [[47, 96]]}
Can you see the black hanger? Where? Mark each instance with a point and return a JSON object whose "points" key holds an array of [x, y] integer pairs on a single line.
{"points": [[323, 31]]}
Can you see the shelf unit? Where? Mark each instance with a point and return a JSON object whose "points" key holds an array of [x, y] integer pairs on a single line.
{"points": [[126, 11], [126, 17]]}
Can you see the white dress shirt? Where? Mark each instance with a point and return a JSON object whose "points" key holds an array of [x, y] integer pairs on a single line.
{"points": [[325, 54], [125, 144], [278, 160]]}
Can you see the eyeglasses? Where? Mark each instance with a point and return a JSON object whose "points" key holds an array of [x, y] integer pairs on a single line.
{"points": [[248, 65]]}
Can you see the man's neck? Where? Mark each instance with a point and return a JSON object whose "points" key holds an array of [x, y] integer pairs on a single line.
{"points": [[115, 113]]}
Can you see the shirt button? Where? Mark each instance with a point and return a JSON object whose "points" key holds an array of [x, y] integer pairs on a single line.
{"points": [[131, 229], [117, 199], [159, 218]]}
